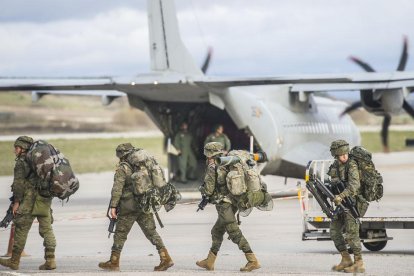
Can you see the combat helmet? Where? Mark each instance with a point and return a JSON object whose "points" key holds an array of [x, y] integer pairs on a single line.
{"points": [[24, 142], [339, 147], [213, 148], [123, 149]]}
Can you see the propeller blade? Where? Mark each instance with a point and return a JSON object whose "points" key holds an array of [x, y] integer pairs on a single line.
{"points": [[404, 56], [206, 63], [384, 132], [351, 108], [363, 64], [408, 108]]}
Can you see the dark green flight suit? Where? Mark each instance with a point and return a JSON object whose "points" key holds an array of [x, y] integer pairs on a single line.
{"points": [[24, 191], [129, 212], [349, 174], [222, 138], [187, 161], [215, 187]]}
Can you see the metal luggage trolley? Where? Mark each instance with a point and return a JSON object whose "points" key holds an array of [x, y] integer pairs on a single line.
{"points": [[373, 232]]}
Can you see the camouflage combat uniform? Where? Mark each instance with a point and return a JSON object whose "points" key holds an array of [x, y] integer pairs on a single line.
{"points": [[129, 212], [25, 193], [348, 173], [187, 161], [215, 186], [216, 189], [221, 138], [345, 222]]}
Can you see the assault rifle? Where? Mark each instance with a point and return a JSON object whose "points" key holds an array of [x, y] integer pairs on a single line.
{"points": [[322, 193], [9, 215], [112, 221], [203, 203], [338, 188]]}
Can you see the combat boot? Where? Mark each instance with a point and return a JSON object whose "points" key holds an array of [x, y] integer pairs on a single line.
{"points": [[208, 263], [165, 260], [252, 263], [12, 262], [346, 261], [357, 267], [50, 262], [113, 263]]}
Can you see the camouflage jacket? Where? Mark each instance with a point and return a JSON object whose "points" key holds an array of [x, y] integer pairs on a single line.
{"points": [[215, 184], [349, 174], [222, 138], [23, 186], [122, 187]]}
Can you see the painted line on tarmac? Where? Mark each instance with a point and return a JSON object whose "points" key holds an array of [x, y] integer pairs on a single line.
{"points": [[14, 273]]}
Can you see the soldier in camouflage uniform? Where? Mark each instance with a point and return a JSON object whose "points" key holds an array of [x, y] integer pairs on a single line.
{"points": [[25, 194], [187, 162], [216, 189], [219, 136], [126, 203], [346, 170]]}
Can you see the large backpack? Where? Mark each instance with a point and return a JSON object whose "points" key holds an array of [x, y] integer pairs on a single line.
{"points": [[51, 166], [148, 182], [371, 180], [244, 182]]}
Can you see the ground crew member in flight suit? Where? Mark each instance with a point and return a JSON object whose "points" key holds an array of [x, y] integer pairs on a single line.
{"points": [[219, 136], [187, 161], [346, 170], [25, 194], [124, 207], [215, 188]]}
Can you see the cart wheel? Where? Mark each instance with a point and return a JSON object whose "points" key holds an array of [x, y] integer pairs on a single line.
{"points": [[375, 246]]}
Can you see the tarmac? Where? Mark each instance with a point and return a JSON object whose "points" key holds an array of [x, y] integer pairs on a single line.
{"points": [[81, 230]]}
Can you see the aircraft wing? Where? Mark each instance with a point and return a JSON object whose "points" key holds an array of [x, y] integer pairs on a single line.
{"points": [[23, 84], [324, 82], [185, 88]]}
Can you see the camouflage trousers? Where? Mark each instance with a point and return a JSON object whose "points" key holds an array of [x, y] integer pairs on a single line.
{"points": [[23, 224], [146, 223], [226, 222], [345, 223]]}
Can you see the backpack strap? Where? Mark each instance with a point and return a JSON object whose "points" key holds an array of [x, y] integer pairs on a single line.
{"points": [[345, 180]]}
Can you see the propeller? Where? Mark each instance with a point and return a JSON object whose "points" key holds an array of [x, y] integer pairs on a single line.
{"points": [[351, 108], [387, 118], [207, 60]]}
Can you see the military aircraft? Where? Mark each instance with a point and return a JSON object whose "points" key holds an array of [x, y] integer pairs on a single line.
{"points": [[282, 113]]}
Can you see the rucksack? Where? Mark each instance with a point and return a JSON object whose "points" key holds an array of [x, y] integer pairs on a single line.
{"points": [[51, 166], [243, 181], [148, 181], [371, 180]]}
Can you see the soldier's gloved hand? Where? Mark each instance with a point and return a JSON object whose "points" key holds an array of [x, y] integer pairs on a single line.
{"points": [[337, 199]]}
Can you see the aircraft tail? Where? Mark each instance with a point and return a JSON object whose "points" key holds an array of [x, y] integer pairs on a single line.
{"points": [[167, 51]]}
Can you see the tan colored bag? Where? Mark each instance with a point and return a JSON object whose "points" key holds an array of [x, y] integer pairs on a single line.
{"points": [[41, 207], [236, 181], [141, 181]]}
